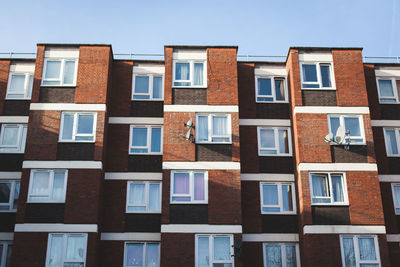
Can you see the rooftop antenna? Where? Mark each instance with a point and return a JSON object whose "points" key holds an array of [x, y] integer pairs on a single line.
{"points": [[340, 137]]}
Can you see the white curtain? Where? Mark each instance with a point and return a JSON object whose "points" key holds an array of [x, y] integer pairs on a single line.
{"points": [[396, 192], [134, 254], [203, 252], [182, 71], [392, 143], [349, 256], [76, 247], [283, 141], [222, 248], [270, 194], [67, 126], [202, 128], [40, 183], [337, 188], [152, 257], [10, 135], [53, 69], [385, 88], [267, 138], [291, 260], [154, 197], [287, 198], [198, 74], [274, 257], [69, 71], [137, 194], [367, 248], [17, 83], [319, 184], [220, 126], [56, 250], [58, 186]]}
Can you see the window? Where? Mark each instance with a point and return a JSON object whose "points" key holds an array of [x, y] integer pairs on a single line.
{"points": [[143, 197], [213, 128], [281, 254], [271, 89], [360, 251], [19, 86], [189, 187], [278, 198], [396, 197], [214, 251], [9, 192], [47, 186], [66, 250], [274, 141], [13, 138], [59, 72], [392, 141], [317, 76], [78, 127], [353, 124], [145, 140], [142, 254], [5, 254], [388, 90], [190, 74], [147, 87], [328, 188]]}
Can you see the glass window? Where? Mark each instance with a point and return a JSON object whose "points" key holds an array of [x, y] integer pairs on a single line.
{"points": [[47, 186], [78, 127], [352, 124], [316, 76], [145, 139], [147, 87], [59, 72], [144, 197], [66, 250], [143, 254], [189, 74], [392, 138], [388, 89], [189, 187], [13, 138], [5, 254], [9, 193], [270, 89], [360, 251], [328, 188], [214, 251], [277, 198], [20, 86], [396, 197], [213, 128], [274, 141], [281, 255]]}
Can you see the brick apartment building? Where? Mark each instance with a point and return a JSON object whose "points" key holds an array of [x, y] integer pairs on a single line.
{"points": [[98, 168]]}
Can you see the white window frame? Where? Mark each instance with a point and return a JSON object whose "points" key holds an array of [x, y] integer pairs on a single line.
{"points": [[6, 246], [280, 199], [144, 250], [210, 129], [12, 194], [319, 77], [394, 88], [331, 203], [61, 77], [357, 251], [283, 252], [25, 94], [148, 147], [394, 198], [276, 136], [150, 94], [211, 249], [397, 135], [147, 196], [191, 74], [20, 143], [50, 187], [273, 89], [341, 120], [64, 248], [75, 128], [191, 188]]}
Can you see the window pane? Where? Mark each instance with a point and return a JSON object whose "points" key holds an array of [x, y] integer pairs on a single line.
{"points": [[182, 71], [137, 194], [220, 126], [270, 194], [30, 85], [202, 252], [58, 186], [85, 124], [202, 128], [68, 126], [198, 74], [391, 142], [8, 257], [141, 97], [157, 87], [76, 247], [385, 88], [53, 70], [396, 191], [280, 89], [291, 260], [56, 250], [325, 75], [69, 71], [222, 248], [367, 248], [154, 197], [337, 188], [139, 136], [352, 125], [156, 140], [17, 83], [152, 257], [264, 86], [267, 138], [134, 255], [142, 84], [40, 183], [181, 183], [309, 73], [283, 141], [1, 253], [199, 192], [273, 256], [320, 188], [5, 191], [335, 123], [16, 195], [10, 135], [287, 198]]}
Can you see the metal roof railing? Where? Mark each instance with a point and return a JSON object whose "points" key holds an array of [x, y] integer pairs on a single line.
{"points": [[384, 59], [12, 55]]}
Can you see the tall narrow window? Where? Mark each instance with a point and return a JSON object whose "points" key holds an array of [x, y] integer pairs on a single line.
{"points": [[213, 128], [328, 188], [9, 193], [271, 89], [189, 187], [66, 250], [78, 127], [142, 254], [360, 251], [274, 141], [47, 186], [19, 86], [5, 254], [145, 139], [13, 138], [277, 198], [143, 197], [317, 76], [396, 197], [392, 141], [353, 124], [147, 87], [214, 251], [281, 255], [189, 73]]}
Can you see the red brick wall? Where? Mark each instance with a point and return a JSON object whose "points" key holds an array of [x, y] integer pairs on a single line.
{"points": [[168, 51], [388, 208], [349, 78], [121, 93], [252, 254], [4, 73], [246, 90], [249, 150], [372, 90], [114, 206], [251, 211], [294, 81], [118, 147], [38, 73], [111, 253]]}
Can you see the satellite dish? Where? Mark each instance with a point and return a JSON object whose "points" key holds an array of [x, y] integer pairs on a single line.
{"points": [[188, 134], [328, 138], [189, 123], [340, 135]]}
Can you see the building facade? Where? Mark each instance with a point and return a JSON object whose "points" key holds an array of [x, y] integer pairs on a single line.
{"points": [[199, 160]]}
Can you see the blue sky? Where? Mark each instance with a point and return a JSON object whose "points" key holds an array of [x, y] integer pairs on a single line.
{"points": [[257, 27]]}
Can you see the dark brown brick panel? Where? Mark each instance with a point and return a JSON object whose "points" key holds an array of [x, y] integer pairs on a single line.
{"points": [[272, 111], [147, 108], [319, 98], [330, 215], [57, 95], [4, 73], [394, 253], [7, 221], [44, 213], [249, 149], [189, 96], [246, 90], [118, 147], [188, 214], [355, 154], [372, 91], [11, 162], [75, 151], [16, 108], [213, 152], [111, 253], [391, 219], [253, 254], [121, 93]]}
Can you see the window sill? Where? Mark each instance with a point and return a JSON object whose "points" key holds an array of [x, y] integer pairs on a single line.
{"points": [[275, 155], [272, 102], [45, 202], [213, 143], [8, 211], [319, 89], [389, 103], [74, 142], [146, 100], [143, 212], [393, 156], [351, 144], [278, 213], [331, 204], [5, 152], [148, 154], [59, 86], [188, 203], [11, 99], [189, 87]]}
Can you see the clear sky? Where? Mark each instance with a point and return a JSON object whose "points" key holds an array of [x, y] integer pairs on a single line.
{"points": [[266, 27]]}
